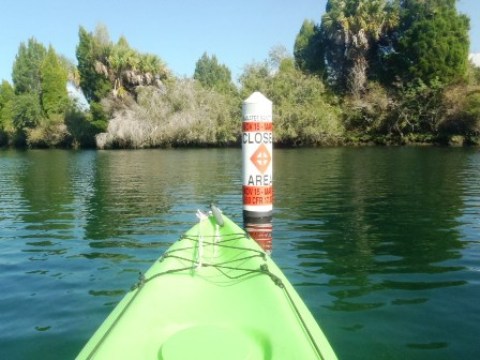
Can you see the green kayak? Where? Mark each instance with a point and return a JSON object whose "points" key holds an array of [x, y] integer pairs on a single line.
{"points": [[214, 294]]}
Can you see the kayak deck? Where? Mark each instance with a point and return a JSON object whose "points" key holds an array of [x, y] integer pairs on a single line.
{"points": [[214, 294]]}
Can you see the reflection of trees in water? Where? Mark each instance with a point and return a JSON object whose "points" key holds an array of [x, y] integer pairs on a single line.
{"points": [[377, 219], [124, 189], [134, 189], [54, 185], [46, 186], [116, 199]]}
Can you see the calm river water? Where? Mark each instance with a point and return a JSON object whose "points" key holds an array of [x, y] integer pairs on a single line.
{"points": [[383, 244]]}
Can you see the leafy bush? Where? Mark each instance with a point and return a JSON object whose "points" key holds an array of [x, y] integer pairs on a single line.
{"points": [[462, 112], [183, 114], [303, 113], [48, 136], [82, 128], [27, 112], [369, 114]]}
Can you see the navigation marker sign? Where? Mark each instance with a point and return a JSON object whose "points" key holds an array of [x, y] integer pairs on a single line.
{"points": [[257, 142]]}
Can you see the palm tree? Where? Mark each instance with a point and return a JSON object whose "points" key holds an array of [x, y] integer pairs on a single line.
{"points": [[152, 64], [119, 61], [352, 27], [126, 68], [333, 29]]}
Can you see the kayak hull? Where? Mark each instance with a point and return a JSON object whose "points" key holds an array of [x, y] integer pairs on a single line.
{"points": [[214, 294]]}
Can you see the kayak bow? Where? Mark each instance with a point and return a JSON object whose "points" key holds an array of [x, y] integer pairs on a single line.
{"points": [[214, 294]]}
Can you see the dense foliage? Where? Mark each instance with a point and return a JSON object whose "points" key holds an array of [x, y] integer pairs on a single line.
{"points": [[181, 114], [395, 62], [213, 75], [370, 71], [350, 31], [303, 111], [92, 51], [26, 68], [7, 98], [36, 111], [54, 77], [308, 49], [433, 43]]}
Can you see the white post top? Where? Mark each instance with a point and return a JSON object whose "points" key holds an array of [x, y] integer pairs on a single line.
{"points": [[257, 97], [257, 108]]}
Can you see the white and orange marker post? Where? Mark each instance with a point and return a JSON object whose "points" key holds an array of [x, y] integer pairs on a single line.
{"points": [[257, 141]]}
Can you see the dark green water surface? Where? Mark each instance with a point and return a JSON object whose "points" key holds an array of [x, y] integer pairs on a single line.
{"points": [[383, 244]]}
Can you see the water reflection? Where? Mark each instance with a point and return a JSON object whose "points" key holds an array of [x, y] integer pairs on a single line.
{"points": [[115, 200], [134, 189], [371, 214], [381, 229], [122, 182], [46, 186]]}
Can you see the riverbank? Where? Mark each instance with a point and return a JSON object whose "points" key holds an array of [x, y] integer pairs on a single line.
{"points": [[350, 141]]}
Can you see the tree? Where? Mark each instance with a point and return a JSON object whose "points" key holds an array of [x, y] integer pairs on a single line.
{"points": [[433, 42], [91, 55], [302, 113], [121, 59], [308, 49], [213, 75], [473, 74], [128, 69], [255, 77], [7, 97], [26, 76], [107, 68], [26, 68], [461, 113], [350, 30], [81, 127], [149, 63], [54, 96], [27, 112], [92, 52]]}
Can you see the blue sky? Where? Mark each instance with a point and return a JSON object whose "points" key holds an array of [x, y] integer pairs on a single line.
{"points": [[179, 31]]}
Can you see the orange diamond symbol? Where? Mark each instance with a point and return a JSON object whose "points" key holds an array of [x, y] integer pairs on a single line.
{"points": [[261, 158]]}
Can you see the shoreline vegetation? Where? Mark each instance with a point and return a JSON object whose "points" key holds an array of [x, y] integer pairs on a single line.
{"points": [[369, 72]]}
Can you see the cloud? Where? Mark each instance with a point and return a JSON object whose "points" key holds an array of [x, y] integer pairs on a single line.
{"points": [[475, 58]]}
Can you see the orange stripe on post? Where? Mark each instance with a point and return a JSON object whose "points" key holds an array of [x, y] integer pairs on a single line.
{"points": [[262, 234], [251, 126], [257, 195]]}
